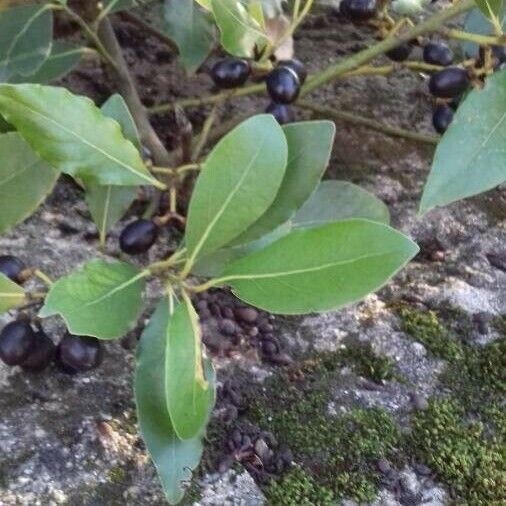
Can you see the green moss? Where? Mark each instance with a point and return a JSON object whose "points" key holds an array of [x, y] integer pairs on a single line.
{"points": [[365, 362], [426, 328], [461, 453], [297, 488], [338, 452]]}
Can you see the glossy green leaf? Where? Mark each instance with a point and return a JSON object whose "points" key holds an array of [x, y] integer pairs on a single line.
{"points": [[174, 459], [4, 126], [25, 180], [339, 200], [11, 294], [109, 203], [471, 156], [490, 8], [212, 265], [320, 268], [26, 34], [70, 133], [63, 58], [309, 148], [188, 394], [239, 30], [101, 299], [190, 28], [237, 184]]}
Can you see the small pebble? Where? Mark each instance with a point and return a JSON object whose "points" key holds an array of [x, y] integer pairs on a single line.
{"points": [[384, 465], [420, 403]]}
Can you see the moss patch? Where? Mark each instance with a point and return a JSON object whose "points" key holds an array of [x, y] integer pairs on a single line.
{"points": [[461, 453], [338, 453], [427, 328]]}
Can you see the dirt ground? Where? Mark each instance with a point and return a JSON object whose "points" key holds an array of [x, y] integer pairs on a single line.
{"points": [[72, 440]]}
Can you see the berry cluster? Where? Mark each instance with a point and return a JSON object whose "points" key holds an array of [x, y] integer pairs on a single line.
{"points": [[34, 351], [283, 82], [31, 348]]}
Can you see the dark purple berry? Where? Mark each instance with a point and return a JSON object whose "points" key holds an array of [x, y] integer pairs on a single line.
{"points": [[283, 85], [282, 113], [499, 53], [81, 353], [448, 83], [61, 366], [297, 66], [17, 340], [41, 355], [230, 72], [400, 53], [138, 237], [437, 53], [441, 118], [12, 268], [358, 10]]}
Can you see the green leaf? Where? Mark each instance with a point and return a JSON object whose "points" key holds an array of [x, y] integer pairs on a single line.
{"points": [[238, 182], [239, 30], [320, 268], [11, 294], [63, 58], [174, 458], [490, 7], [471, 157], [340, 200], [188, 394], [116, 108], [191, 30], [25, 180], [309, 148], [70, 133], [101, 299], [26, 34], [108, 204], [212, 265]]}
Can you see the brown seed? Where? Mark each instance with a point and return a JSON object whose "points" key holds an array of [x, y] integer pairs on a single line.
{"points": [[246, 314], [227, 313], [281, 359], [228, 327]]}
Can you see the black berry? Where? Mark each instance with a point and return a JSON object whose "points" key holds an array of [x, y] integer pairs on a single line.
{"points": [[437, 53], [358, 10], [230, 72], [442, 118], [17, 340], [81, 353], [297, 66], [12, 268], [283, 85], [282, 113], [41, 354], [499, 53], [449, 83], [400, 53], [138, 237]]}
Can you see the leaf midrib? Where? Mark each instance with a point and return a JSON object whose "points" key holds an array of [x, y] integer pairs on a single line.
{"points": [[83, 140], [294, 272]]}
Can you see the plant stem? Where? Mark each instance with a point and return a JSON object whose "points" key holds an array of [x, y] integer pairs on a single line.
{"points": [[368, 123], [485, 40], [430, 25], [89, 32], [127, 88], [43, 277], [206, 129]]}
